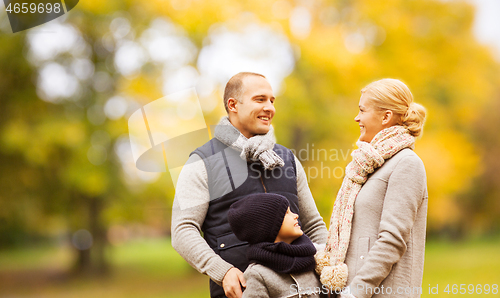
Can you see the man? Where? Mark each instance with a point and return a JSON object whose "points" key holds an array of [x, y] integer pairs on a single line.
{"points": [[241, 159]]}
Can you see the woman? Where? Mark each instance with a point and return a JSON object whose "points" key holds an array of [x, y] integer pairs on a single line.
{"points": [[377, 229]]}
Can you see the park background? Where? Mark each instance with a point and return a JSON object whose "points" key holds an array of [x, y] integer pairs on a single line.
{"points": [[78, 219]]}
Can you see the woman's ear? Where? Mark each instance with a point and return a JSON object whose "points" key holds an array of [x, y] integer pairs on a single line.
{"points": [[231, 105], [388, 117]]}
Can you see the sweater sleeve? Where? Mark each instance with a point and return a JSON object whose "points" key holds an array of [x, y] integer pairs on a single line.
{"points": [[188, 214], [404, 195], [256, 285], [312, 222]]}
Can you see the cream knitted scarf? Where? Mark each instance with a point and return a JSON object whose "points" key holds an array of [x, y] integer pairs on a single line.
{"points": [[370, 156], [259, 147]]}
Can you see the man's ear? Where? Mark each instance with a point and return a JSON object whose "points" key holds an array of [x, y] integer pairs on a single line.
{"points": [[232, 105]]}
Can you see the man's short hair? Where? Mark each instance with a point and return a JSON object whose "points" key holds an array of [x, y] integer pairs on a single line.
{"points": [[234, 87]]}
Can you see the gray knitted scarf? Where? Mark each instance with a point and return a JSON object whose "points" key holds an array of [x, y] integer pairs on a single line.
{"points": [[259, 147]]}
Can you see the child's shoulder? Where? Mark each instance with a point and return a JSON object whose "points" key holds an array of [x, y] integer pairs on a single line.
{"points": [[268, 276], [254, 270], [263, 273], [263, 279]]}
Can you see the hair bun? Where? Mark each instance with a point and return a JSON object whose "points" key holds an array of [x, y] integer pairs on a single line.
{"points": [[414, 119]]}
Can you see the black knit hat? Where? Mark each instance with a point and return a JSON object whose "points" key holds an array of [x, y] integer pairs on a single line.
{"points": [[258, 217]]}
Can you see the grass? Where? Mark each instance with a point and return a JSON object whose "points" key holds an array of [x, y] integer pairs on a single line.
{"points": [[475, 262], [148, 268], [152, 269]]}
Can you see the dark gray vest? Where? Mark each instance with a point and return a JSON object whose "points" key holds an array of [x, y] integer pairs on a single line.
{"points": [[229, 179]]}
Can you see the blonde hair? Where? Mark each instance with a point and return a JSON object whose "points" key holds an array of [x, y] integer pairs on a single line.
{"points": [[394, 95]]}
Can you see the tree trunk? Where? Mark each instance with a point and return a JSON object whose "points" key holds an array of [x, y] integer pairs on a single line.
{"points": [[93, 260], [98, 231]]}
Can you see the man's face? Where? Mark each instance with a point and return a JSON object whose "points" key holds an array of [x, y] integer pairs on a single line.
{"points": [[253, 112]]}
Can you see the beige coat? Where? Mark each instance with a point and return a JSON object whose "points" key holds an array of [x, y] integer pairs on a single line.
{"points": [[385, 257]]}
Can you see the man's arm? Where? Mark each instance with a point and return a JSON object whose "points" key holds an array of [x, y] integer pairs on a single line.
{"points": [[188, 214], [312, 222]]}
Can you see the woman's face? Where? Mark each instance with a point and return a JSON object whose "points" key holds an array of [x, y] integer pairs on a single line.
{"points": [[370, 119]]}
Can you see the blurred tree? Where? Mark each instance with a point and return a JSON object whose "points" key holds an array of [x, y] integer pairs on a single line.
{"points": [[427, 44], [60, 169], [480, 206], [18, 216]]}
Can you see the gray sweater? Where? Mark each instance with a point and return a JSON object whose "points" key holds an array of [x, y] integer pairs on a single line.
{"points": [[190, 207], [264, 282]]}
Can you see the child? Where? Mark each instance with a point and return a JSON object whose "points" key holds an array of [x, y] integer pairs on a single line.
{"points": [[281, 256]]}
